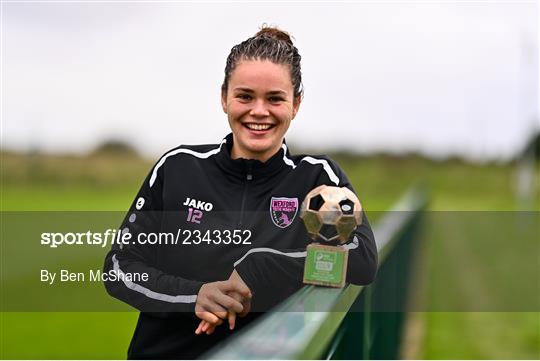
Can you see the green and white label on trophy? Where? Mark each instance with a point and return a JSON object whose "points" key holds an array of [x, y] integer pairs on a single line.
{"points": [[330, 215], [325, 265]]}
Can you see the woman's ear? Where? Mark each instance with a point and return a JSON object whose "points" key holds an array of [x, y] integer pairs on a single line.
{"points": [[224, 101], [296, 105]]}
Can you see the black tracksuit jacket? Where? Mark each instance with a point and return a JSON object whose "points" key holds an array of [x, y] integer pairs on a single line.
{"points": [[201, 188]]}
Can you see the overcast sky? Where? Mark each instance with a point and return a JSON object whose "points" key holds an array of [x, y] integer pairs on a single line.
{"points": [[436, 77]]}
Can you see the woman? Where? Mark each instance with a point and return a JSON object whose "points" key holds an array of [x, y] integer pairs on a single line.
{"points": [[240, 246]]}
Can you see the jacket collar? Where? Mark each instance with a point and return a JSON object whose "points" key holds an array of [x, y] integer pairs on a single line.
{"points": [[244, 167]]}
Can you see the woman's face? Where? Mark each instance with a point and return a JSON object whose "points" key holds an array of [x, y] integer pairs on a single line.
{"points": [[260, 105]]}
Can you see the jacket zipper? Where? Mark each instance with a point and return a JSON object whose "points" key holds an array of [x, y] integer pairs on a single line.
{"points": [[249, 177]]}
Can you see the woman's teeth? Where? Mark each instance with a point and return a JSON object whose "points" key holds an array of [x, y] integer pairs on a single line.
{"points": [[255, 126]]}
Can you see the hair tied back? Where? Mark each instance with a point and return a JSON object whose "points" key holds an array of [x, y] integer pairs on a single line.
{"points": [[274, 32]]}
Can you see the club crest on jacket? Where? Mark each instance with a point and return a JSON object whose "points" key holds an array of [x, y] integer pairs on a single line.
{"points": [[283, 210]]}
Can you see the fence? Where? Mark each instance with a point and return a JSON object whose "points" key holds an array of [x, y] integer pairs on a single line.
{"points": [[356, 322]]}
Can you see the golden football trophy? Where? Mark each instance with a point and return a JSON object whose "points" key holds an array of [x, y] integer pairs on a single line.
{"points": [[330, 215]]}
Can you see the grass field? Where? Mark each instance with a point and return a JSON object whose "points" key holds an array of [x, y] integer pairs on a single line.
{"points": [[109, 183]]}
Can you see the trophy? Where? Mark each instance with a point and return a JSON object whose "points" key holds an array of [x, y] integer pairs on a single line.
{"points": [[330, 215]]}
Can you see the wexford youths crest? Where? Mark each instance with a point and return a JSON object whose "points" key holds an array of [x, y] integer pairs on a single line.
{"points": [[283, 210]]}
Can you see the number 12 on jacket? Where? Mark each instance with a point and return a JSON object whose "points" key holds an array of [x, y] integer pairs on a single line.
{"points": [[194, 215]]}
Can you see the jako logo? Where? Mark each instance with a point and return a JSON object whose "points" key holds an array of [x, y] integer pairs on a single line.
{"points": [[203, 206]]}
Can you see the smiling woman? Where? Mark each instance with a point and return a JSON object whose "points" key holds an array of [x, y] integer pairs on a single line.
{"points": [[260, 105], [239, 199], [261, 93]]}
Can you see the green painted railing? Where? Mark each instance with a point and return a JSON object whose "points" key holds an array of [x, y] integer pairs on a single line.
{"points": [[356, 322]]}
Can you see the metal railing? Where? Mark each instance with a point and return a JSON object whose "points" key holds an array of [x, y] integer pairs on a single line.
{"points": [[355, 322]]}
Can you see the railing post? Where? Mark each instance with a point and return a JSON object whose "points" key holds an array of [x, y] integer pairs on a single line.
{"points": [[367, 330]]}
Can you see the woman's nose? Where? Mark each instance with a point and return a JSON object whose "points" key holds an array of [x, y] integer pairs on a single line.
{"points": [[259, 108]]}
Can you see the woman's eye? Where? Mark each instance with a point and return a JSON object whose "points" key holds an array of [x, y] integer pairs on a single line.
{"points": [[275, 99], [244, 96]]}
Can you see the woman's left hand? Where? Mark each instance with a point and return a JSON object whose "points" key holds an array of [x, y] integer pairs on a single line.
{"points": [[209, 328]]}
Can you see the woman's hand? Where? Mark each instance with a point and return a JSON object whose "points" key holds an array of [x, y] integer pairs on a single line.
{"points": [[246, 302], [213, 299], [239, 293], [209, 328]]}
